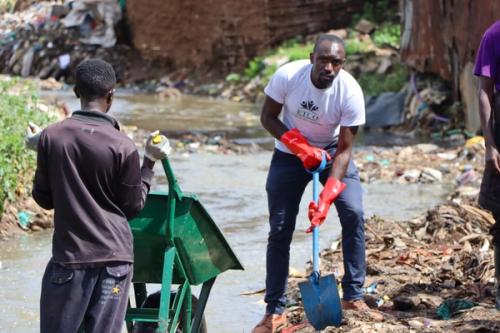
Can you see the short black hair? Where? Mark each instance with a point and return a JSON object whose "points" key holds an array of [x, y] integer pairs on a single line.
{"points": [[95, 78], [329, 37]]}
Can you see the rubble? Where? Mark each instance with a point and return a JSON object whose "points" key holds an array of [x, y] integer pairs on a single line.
{"points": [[438, 265], [423, 163], [49, 40]]}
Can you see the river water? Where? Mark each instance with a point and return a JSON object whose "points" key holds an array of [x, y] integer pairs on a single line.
{"points": [[230, 187]]}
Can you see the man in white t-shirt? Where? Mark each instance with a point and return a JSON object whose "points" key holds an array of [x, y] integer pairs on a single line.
{"points": [[321, 108]]}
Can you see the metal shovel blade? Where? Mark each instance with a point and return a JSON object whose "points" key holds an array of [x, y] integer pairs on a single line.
{"points": [[321, 301]]}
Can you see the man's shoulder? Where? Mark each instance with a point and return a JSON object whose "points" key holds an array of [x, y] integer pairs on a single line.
{"points": [[493, 30], [346, 79], [290, 69], [113, 136]]}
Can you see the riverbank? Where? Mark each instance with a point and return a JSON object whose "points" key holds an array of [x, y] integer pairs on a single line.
{"points": [[461, 165]]}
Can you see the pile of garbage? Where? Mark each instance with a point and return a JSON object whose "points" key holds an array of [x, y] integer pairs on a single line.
{"points": [[423, 163], [49, 39], [434, 273]]}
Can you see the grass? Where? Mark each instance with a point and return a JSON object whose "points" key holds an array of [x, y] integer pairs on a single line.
{"points": [[18, 105], [388, 35], [374, 84], [355, 46]]}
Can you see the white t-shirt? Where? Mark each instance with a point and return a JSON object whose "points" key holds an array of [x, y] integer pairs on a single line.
{"points": [[317, 113]]}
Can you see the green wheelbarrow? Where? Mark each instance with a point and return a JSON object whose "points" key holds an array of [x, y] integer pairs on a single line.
{"points": [[176, 243]]}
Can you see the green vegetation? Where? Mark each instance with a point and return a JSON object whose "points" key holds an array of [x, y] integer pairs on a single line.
{"points": [[388, 35], [377, 11], [356, 46], [290, 50], [374, 84], [18, 105]]}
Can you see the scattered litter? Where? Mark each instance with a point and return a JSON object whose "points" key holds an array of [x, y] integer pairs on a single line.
{"points": [[451, 307]]}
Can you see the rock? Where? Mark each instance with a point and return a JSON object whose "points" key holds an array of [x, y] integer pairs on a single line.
{"points": [[411, 176], [342, 33], [447, 156], [430, 175], [406, 303], [369, 66], [384, 65], [427, 147], [365, 27], [414, 323], [405, 153]]}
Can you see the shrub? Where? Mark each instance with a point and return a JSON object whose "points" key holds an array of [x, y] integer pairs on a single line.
{"points": [[374, 84], [18, 105], [388, 35]]}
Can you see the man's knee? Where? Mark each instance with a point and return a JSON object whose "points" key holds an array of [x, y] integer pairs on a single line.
{"points": [[281, 232]]}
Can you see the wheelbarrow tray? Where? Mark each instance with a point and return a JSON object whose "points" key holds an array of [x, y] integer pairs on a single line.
{"points": [[203, 251]]}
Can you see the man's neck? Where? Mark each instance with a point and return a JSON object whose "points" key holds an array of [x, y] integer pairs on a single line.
{"points": [[97, 106]]}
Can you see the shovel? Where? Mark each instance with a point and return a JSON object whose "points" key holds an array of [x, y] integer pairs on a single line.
{"points": [[320, 295]]}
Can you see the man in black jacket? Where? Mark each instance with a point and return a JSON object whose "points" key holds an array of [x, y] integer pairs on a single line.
{"points": [[89, 173]]}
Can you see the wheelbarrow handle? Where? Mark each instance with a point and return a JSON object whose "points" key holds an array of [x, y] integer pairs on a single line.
{"points": [[173, 185]]}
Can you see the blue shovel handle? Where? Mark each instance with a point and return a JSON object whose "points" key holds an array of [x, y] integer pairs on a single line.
{"points": [[315, 174]]}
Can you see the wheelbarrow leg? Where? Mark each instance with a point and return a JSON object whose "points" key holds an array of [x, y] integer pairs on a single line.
{"points": [[166, 284], [187, 310], [202, 302]]}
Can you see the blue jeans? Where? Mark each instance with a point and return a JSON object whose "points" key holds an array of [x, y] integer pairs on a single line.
{"points": [[286, 182]]}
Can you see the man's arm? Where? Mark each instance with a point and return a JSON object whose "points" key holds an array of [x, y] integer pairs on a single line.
{"points": [[269, 118], [485, 93], [42, 192], [134, 185], [343, 152]]}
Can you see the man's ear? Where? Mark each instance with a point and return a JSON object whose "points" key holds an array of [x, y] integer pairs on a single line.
{"points": [[76, 92], [109, 98], [311, 57]]}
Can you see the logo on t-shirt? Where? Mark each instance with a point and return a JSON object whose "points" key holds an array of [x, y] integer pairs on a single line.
{"points": [[308, 111]]}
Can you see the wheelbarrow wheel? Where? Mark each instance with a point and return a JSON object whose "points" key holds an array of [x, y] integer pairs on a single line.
{"points": [[153, 301]]}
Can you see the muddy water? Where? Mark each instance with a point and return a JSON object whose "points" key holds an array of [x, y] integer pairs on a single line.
{"points": [[232, 189]]}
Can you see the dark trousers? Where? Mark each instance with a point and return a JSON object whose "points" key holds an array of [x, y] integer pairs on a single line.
{"points": [[96, 297], [285, 185]]}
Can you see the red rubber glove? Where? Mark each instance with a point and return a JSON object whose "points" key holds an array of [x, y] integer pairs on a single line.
{"points": [[318, 212], [310, 156]]}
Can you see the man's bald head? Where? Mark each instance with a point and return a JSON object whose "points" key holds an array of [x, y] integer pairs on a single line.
{"points": [[331, 38]]}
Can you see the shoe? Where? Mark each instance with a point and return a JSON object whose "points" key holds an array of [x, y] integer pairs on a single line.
{"points": [[360, 305], [271, 323]]}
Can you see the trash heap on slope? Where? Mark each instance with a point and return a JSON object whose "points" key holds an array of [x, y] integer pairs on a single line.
{"points": [[438, 260]]}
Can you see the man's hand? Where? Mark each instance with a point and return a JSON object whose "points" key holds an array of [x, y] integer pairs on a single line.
{"points": [[492, 158], [318, 212], [310, 156], [32, 136], [157, 147]]}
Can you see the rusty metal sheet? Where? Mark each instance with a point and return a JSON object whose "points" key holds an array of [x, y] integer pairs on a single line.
{"points": [[441, 36]]}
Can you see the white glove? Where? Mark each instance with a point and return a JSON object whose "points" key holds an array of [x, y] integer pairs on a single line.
{"points": [[157, 147], [32, 136]]}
